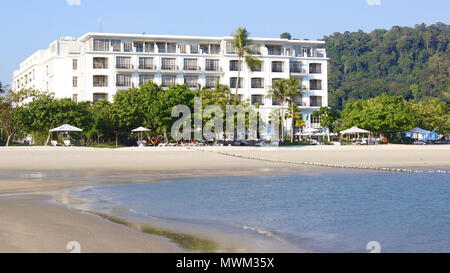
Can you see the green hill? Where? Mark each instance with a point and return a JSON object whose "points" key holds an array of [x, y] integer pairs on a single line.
{"points": [[412, 62]]}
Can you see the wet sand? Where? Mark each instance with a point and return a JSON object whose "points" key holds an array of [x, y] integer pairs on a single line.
{"points": [[31, 225]]}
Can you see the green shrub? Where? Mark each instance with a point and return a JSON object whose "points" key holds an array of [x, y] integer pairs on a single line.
{"points": [[296, 143]]}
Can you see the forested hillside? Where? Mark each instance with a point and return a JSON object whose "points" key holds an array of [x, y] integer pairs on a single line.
{"points": [[412, 62]]}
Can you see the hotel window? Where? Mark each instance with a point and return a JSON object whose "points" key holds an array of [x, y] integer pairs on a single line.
{"points": [[75, 97], [74, 81], [215, 49], [182, 48], [299, 101], [211, 81], [168, 80], [100, 63], [233, 82], [100, 81], [298, 51], [123, 62], [171, 48], [295, 67], [161, 47], [315, 68], [149, 47], [168, 64], [257, 99], [190, 64], [235, 64], [123, 80], [277, 66], [257, 82], [145, 78], [257, 67], [315, 121], [194, 49], [274, 49], [315, 85], [101, 45], [212, 65], [276, 101], [99, 96], [74, 64], [230, 49], [139, 46], [315, 101], [116, 45], [191, 81], [127, 46], [255, 49], [204, 48], [145, 63], [274, 80]]}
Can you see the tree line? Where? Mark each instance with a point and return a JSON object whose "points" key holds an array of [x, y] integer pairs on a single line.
{"points": [[411, 62], [35, 113], [387, 115]]}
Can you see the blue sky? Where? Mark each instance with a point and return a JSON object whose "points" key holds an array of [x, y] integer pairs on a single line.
{"points": [[29, 25]]}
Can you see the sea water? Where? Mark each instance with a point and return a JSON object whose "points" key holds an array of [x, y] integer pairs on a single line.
{"points": [[332, 211]]}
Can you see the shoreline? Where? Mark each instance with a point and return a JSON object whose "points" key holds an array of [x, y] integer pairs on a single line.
{"points": [[32, 225], [27, 172]]}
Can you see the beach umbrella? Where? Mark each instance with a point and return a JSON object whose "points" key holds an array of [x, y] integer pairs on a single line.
{"points": [[140, 130], [66, 128], [354, 131]]}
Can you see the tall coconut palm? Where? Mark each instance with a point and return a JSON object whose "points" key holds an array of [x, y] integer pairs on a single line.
{"points": [[279, 90], [246, 50], [293, 90]]}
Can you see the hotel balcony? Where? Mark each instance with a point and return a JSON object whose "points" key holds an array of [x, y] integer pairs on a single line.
{"points": [[125, 67], [297, 70], [192, 69], [214, 69], [170, 68], [147, 68]]}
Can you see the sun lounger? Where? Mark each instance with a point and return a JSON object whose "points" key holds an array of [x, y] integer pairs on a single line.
{"points": [[67, 143], [54, 143]]}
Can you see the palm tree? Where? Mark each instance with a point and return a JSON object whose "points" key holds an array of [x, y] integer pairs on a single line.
{"points": [[244, 50], [294, 90], [279, 90], [299, 122]]}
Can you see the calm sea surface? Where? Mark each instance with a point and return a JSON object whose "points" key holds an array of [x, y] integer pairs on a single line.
{"points": [[333, 211]]}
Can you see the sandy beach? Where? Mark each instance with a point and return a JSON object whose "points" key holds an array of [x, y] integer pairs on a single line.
{"points": [[31, 224]]}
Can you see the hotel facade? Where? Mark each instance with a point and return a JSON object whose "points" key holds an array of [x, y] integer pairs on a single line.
{"points": [[97, 65]]}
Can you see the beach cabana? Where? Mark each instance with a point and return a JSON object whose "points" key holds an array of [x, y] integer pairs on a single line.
{"points": [[419, 133], [140, 131], [354, 131], [66, 128]]}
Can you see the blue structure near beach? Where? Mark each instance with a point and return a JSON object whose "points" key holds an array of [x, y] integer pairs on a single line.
{"points": [[421, 134]]}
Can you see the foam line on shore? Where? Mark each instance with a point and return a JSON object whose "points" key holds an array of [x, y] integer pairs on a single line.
{"points": [[371, 168]]}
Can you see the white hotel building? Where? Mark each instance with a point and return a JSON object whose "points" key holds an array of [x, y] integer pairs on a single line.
{"points": [[97, 65]]}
